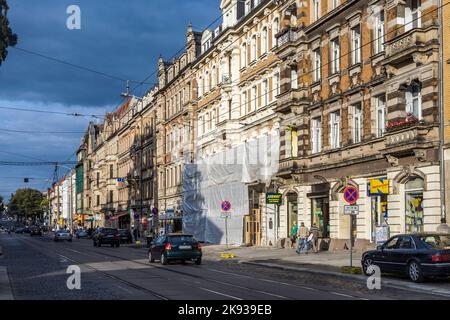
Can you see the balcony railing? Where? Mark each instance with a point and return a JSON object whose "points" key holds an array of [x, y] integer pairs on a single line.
{"points": [[287, 37]]}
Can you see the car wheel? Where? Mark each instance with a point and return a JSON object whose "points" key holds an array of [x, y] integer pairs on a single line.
{"points": [[150, 257], [163, 259], [99, 244], [198, 261], [367, 262], [415, 271]]}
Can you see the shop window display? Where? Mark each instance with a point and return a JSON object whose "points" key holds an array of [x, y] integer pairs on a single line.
{"points": [[414, 205]]}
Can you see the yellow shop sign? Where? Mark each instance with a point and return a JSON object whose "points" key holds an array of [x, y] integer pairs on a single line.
{"points": [[378, 187]]}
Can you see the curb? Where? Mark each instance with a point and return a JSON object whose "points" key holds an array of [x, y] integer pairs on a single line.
{"points": [[5, 285], [395, 284]]}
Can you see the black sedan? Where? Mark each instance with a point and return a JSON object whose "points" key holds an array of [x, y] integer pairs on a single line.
{"points": [[125, 236], [35, 231], [106, 236], [418, 255], [175, 247]]}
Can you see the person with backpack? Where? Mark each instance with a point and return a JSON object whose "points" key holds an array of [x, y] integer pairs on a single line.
{"points": [[303, 234]]}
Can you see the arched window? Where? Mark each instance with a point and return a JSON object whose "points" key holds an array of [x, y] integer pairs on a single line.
{"points": [[264, 41], [200, 87], [254, 49], [207, 82], [275, 30], [244, 55], [214, 77]]}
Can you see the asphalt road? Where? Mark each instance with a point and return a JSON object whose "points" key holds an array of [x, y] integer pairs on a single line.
{"points": [[37, 270]]}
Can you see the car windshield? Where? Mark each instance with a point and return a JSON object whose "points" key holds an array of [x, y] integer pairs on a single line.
{"points": [[181, 239], [436, 241], [109, 231]]}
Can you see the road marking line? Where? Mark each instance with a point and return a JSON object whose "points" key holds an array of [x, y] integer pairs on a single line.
{"points": [[342, 294], [222, 294], [76, 251], [256, 290]]}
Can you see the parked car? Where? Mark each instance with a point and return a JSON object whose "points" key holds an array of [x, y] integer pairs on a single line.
{"points": [[106, 236], [81, 234], [175, 247], [125, 236], [418, 255], [19, 230], [26, 230], [35, 231], [62, 234]]}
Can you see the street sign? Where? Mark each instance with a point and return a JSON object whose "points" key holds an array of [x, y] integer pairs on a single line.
{"points": [[225, 215], [274, 198], [378, 187], [352, 210], [226, 206], [351, 195]]}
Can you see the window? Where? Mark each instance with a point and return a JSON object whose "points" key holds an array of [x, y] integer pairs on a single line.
{"points": [[357, 123], [414, 101], [98, 200], [111, 171], [200, 127], [275, 30], [244, 55], [254, 98], [294, 78], [335, 126], [248, 6], [392, 244], [200, 87], [98, 179], [335, 53], [356, 45], [254, 48], [380, 104], [214, 77], [413, 14], [207, 82], [265, 93], [294, 143], [317, 65], [335, 4], [414, 214], [316, 8], [264, 41], [276, 84], [379, 33], [316, 135], [111, 196], [244, 102]]}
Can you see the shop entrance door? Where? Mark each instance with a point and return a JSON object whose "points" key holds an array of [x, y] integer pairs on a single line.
{"points": [[321, 216], [414, 205], [292, 204], [253, 228]]}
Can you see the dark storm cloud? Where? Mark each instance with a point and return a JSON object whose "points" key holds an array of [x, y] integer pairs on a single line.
{"points": [[121, 38]]}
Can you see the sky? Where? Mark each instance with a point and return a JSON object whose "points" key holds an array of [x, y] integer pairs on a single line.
{"points": [[120, 38]]}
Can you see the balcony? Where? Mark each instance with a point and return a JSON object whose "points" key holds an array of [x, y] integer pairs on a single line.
{"points": [[288, 36], [404, 137], [293, 100], [414, 44]]}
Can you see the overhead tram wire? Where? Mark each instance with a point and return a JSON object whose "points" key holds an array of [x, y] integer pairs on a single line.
{"points": [[75, 65]]}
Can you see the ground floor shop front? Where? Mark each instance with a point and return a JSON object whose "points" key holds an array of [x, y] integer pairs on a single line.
{"points": [[403, 199]]}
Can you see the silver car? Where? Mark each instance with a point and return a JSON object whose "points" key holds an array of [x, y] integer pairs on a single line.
{"points": [[63, 235]]}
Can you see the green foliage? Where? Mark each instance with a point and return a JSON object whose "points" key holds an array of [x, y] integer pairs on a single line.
{"points": [[7, 37], [26, 203], [2, 205]]}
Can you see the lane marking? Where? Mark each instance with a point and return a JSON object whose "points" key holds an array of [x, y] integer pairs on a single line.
{"points": [[222, 294], [256, 290], [76, 251], [342, 294]]}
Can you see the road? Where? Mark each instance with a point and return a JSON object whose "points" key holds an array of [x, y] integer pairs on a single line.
{"points": [[37, 270]]}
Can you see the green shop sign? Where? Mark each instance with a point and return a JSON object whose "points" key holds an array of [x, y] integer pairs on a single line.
{"points": [[273, 198]]}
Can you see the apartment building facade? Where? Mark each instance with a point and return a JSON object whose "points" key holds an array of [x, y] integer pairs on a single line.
{"points": [[362, 112]]}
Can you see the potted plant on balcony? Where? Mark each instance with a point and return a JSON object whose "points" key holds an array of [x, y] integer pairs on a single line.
{"points": [[409, 121]]}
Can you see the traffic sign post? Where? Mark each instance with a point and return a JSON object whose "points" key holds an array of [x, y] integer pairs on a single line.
{"points": [[351, 196], [226, 214]]}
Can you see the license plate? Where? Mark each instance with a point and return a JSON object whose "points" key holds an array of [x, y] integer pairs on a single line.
{"points": [[185, 247]]}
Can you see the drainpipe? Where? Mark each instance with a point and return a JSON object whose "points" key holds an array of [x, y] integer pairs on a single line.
{"points": [[441, 111]]}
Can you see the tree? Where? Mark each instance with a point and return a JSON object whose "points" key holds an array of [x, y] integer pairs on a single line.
{"points": [[26, 203], [7, 37], [2, 205]]}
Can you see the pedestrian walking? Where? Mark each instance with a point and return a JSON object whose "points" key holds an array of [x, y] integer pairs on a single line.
{"points": [[443, 227], [314, 236], [294, 234], [303, 234]]}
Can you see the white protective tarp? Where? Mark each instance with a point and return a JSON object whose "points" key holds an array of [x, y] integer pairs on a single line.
{"points": [[224, 177]]}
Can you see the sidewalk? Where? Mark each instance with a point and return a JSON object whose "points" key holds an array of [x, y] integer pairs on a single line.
{"points": [[325, 263]]}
